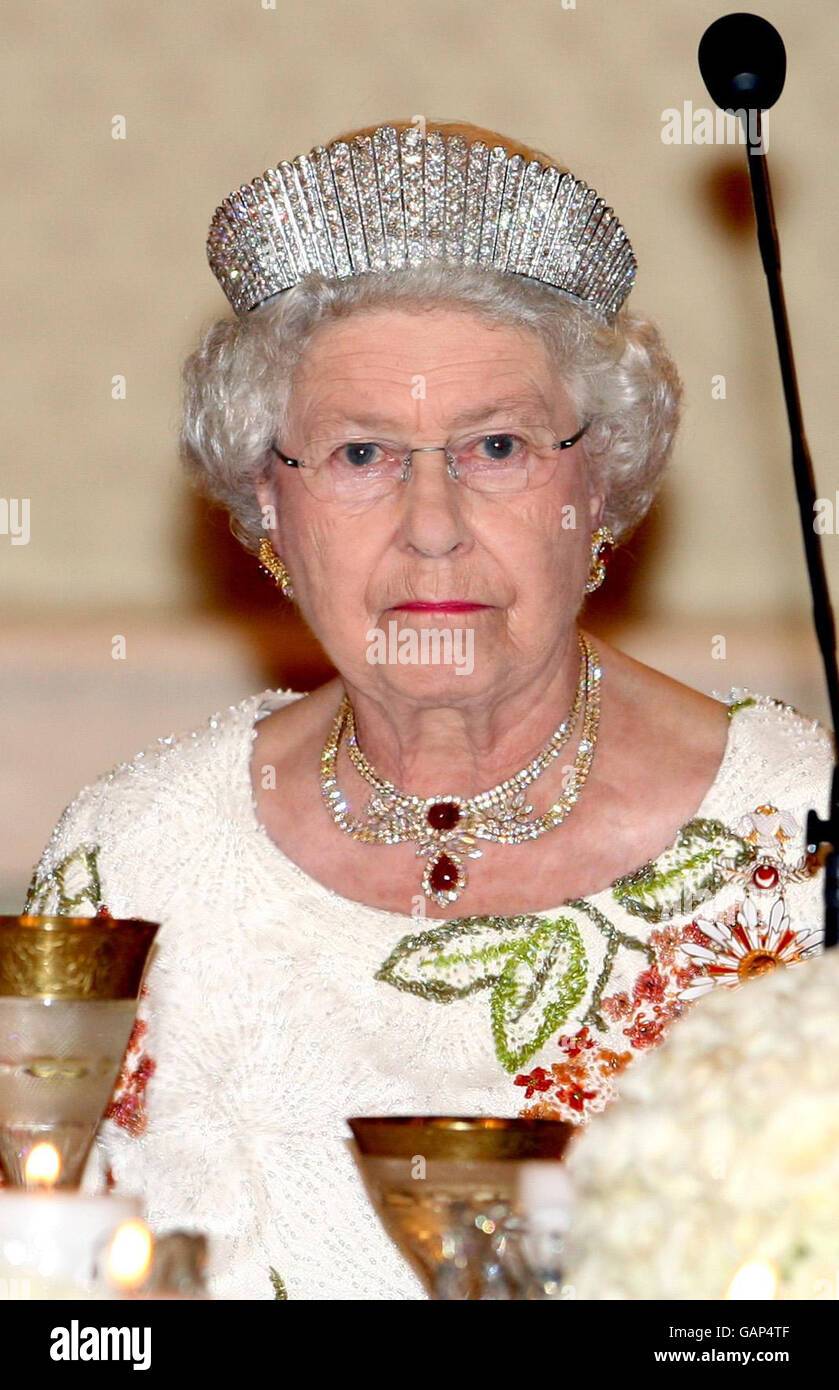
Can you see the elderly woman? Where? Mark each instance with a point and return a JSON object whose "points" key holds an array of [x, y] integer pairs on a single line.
{"points": [[487, 865]]}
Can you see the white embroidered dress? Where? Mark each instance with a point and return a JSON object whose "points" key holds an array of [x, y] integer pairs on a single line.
{"points": [[274, 1008]]}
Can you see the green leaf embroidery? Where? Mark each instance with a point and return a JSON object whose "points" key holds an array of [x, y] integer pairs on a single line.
{"points": [[537, 990], [536, 969], [73, 886], [615, 939], [453, 961], [280, 1290], [686, 874]]}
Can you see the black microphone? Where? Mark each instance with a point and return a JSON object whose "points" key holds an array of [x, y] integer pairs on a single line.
{"points": [[743, 62]]}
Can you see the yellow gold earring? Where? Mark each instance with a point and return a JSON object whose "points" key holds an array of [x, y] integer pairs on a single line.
{"points": [[270, 560], [601, 538]]}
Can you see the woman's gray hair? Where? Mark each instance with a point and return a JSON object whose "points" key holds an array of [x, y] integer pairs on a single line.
{"points": [[237, 384]]}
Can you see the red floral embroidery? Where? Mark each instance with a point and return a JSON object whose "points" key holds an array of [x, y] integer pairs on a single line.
{"points": [[575, 1096], [685, 961], [648, 1032], [577, 1043], [614, 1061], [664, 943], [650, 986], [584, 1082], [536, 1080], [655, 1002], [580, 1085], [617, 1007], [570, 1095], [127, 1106]]}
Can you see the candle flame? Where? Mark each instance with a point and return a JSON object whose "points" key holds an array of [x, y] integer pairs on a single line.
{"points": [[129, 1254], [754, 1279], [43, 1166]]}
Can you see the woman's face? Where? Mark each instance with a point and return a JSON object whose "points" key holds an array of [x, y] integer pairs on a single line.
{"points": [[514, 564]]}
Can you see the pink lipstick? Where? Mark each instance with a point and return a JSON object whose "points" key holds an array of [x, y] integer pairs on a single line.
{"points": [[453, 605]]}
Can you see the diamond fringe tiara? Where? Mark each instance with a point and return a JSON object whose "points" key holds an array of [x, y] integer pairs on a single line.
{"points": [[400, 198]]}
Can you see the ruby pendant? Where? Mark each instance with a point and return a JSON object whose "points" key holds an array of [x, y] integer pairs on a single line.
{"points": [[444, 878], [444, 875]]}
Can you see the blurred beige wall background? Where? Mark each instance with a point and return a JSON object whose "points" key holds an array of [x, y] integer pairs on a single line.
{"points": [[106, 276]]}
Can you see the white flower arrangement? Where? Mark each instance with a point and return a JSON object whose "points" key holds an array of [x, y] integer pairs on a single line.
{"points": [[722, 1149]]}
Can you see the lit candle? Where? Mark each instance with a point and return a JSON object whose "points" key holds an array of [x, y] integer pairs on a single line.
{"points": [[58, 1242], [129, 1255], [42, 1166]]}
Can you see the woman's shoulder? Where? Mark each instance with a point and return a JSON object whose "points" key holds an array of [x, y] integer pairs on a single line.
{"points": [[206, 751], [173, 786], [772, 724], [776, 752]]}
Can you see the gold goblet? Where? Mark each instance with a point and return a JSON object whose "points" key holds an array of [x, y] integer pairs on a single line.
{"points": [[446, 1190], [68, 997]]}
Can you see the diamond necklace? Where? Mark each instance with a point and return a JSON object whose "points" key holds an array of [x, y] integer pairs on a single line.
{"points": [[446, 828]]}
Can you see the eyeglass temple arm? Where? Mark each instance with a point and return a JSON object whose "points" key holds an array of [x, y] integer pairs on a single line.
{"points": [[566, 443], [292, 463]]}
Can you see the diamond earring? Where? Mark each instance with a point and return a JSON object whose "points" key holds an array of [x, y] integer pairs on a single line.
{"points": [[601, 538], [270, 560]]}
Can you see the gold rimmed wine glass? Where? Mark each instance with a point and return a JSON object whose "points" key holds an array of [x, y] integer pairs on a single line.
{"points": [[446, 1190], [68, 998]]}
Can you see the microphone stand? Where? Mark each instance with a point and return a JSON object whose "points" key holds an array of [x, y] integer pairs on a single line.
{"points": [[819, 832]]}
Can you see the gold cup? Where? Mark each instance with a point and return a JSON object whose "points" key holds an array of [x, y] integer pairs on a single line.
{"points": [[73, 957], [432, 1177], [482, 1138], [68, 999]]}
